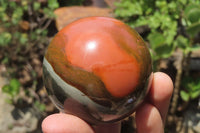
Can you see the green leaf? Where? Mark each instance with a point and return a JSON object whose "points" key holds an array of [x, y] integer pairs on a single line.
{"points": [[164, 51], [14, 86], [5, 38], [40, 106], [33, 35], [17, 15], [38, 31], [195, 94], [36, 6], [24, 3], [159, 46], [185, 96], [49, 13], [181, 42], [193, 29], [128, 9], [12, 4], [183, 1], [155, 20], [156, 39], [4, 17], [6, 89], [3, 7], [161, 4], [192, 86], [193, 48], [23, 38], [192, 13], [190, 7], [44, 32], [53, 4]]}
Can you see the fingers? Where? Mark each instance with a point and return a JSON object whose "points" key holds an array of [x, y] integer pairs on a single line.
{"points": [[64, 123], [148, 120], [161, 92], [151, 115]]}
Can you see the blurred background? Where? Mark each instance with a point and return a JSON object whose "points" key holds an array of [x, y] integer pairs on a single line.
{"points": [[171, 29]]}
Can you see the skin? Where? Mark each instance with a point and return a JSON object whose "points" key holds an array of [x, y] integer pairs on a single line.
{"points": [[150, 116]]}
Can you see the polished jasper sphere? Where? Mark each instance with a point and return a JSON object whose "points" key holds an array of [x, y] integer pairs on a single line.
{"points": [[98, 69]]}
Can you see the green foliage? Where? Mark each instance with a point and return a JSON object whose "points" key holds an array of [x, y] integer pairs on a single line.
{"points": [[5, 38], [192, 19], [173, 24], [185, 44], [40, 106], [12, 14], [36, 6], [12, 89], [192, 13], [160, 49], [191, 88], [23, 32], [53, 4], [162, 17], [193, 29], [48, 11]]}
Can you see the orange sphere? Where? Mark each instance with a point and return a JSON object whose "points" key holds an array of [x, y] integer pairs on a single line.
{"points": [[101, 62]]}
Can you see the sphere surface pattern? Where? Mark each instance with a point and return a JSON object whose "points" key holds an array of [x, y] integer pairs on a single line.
{"points": [[98, 69]]}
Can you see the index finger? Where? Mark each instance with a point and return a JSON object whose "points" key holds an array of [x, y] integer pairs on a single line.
{"points": [[161, 92]]}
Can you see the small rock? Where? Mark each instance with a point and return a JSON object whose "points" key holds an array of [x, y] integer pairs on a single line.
{"points": [[66, 15], [25, 25], [36, 61], [24, 77], [190, 121]]}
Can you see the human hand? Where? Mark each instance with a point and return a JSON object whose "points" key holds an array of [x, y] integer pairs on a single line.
{"points": [[150, 116]]}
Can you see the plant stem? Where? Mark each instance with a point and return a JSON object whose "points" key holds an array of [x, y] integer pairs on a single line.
{"points": [[187, 63], [179, 68], [188, 58]]}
